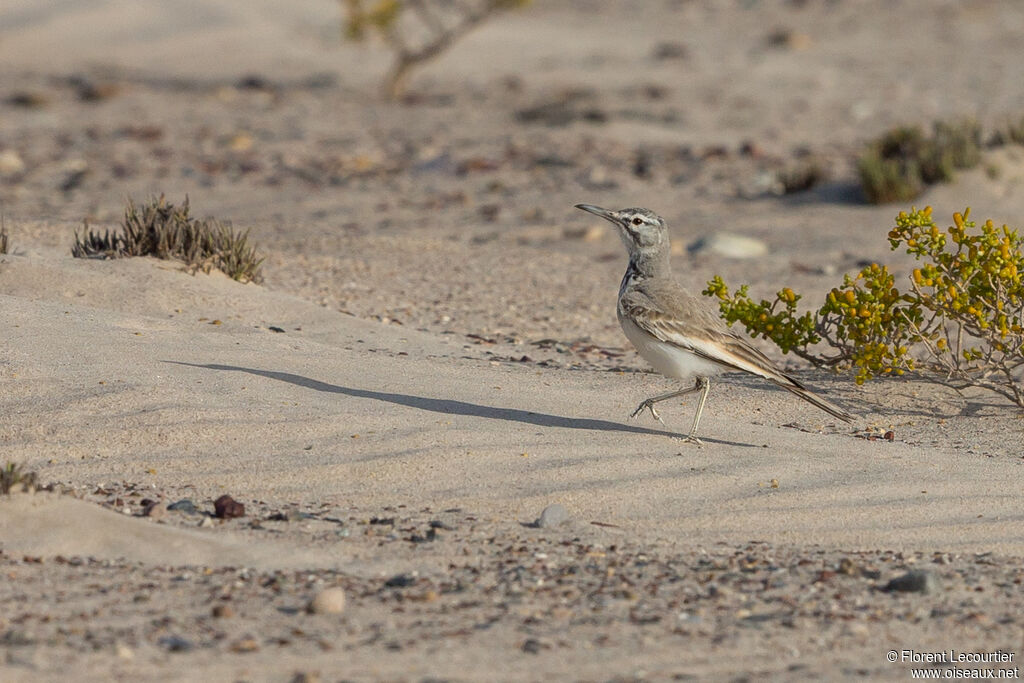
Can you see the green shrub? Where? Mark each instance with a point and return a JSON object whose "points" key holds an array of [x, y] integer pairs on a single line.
{"points": [[959, 318], [902, 162], [165, 231], [1010, 133]]}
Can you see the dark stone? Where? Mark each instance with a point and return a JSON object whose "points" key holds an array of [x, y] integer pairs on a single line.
{"points": [[227, 507], [914, 581], [533, 646], [175, 644], [400, 581], [184, 505]]}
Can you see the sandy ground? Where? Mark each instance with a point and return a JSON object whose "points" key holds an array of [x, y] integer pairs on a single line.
{"points": [[433, 357]]}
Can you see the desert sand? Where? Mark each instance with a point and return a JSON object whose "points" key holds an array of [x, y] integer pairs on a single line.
{"points": [[433, 356]]}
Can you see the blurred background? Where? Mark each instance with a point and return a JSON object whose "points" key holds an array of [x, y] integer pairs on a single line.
{"points": [[448, 205]]}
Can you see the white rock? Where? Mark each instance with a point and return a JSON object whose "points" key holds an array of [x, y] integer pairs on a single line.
{"points": [[327, 601], [11, 163], [552, 515], [730, 245]]}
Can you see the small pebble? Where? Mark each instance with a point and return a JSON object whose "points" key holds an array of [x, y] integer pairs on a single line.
{"points": [[227, 507], [245, 645], [28, 99], [10, 163], [729, 245], [223, 611], [717, 591], [847, 566], [533, 646], [156, 510], [327, 601], [175, 644], [184, 505], [914, 581], [400, 581], [673, 50], [551, 516]]}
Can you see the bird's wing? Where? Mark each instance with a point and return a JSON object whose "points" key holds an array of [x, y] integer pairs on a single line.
{"points": [[722, 347], [676, 317]]}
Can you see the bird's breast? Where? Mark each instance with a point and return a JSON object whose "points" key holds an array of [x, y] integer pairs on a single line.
{"points": [[669, 359]]}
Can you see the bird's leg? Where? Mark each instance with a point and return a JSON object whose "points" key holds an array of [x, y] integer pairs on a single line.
{"points": [[704, 384], [649, 403]]}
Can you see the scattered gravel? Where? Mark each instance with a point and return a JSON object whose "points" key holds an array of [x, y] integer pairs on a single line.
{"points": [[506, 588]]}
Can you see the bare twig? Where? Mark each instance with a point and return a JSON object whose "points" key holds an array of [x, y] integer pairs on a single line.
{"points": [[441, 32]]}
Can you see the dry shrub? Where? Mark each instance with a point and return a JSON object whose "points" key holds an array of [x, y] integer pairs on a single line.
{"points": [[12, 476], [166, 231]]}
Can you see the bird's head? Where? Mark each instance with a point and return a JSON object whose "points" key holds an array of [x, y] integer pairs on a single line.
{"points": [[642, 230]]}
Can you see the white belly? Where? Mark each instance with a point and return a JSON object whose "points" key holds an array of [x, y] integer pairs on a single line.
{"points": [[668, 359]]}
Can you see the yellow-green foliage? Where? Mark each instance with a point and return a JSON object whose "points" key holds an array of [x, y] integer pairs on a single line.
{"points": [[383, 15], [971, 279], [776, 320], [867, 318], [962, 311], [862, 321], [361, 16]]}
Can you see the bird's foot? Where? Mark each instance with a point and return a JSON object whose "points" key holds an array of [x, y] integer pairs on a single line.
{"points": [[648, 405], [690, 438]]}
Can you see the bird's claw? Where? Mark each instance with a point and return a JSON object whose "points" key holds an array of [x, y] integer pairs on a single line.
{"points": [[649, 406]]}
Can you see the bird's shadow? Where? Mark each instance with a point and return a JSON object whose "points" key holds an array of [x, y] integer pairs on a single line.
{"points": [[453, 407]]}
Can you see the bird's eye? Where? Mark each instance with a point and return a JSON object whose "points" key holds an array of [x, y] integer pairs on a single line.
{"points": [[637, 221]]}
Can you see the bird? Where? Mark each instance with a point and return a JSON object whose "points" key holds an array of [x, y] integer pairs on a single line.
{"points": [[676, 332]]}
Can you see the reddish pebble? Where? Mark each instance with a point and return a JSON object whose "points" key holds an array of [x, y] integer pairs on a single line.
{"points": [[223, 611], [156, 510], [227, 507]]}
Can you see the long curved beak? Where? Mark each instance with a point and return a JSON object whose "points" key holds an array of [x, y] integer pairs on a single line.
{"points": [[598, 211]]}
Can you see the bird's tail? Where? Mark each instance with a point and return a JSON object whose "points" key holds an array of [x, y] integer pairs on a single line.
{"points": [[815, 400]]}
